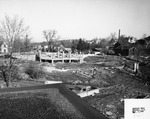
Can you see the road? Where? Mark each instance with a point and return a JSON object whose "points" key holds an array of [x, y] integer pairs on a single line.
{"points": [[86, 110]]}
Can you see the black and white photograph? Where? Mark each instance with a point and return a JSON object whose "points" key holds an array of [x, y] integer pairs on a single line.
{"points": [[74, 59]]}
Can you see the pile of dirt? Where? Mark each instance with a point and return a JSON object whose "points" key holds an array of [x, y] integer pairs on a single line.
{"points": [[110, 100], [102, 77], [106, 105], [87, 73], [111, 90], [106, 60], [97, 82]]}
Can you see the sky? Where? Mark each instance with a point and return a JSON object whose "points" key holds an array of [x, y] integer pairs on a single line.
{"points": [[74, 19]]}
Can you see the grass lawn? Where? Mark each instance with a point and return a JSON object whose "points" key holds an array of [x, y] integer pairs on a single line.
{"points": [[37, 104]]}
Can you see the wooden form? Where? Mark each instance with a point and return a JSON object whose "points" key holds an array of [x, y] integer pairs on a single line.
{"points": [[60, 56]]}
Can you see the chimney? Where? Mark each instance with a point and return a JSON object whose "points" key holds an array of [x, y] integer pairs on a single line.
{"points": [[119, 35]]}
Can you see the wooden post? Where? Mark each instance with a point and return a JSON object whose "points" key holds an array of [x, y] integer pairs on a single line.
{"points": [[136, 66], [39, 55], [81, 58], [52, 58], [63, 57], [58, 54], [69, 57], [52, 61]]}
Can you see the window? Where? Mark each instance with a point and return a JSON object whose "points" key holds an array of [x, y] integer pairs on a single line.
{"points": [[84, 89], [4, 50]]}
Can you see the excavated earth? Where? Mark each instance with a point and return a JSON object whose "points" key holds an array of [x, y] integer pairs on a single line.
{"points": [[105, 72]]}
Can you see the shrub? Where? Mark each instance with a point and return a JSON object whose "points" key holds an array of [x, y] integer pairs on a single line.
{"points": [[5, 71], [34, 71], [15, 73]]}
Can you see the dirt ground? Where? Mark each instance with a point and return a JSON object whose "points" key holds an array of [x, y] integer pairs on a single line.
{"points": [[115, 84], [105, 72]]}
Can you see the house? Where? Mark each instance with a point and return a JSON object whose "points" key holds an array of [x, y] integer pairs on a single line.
{"points": [[97, 51], [122, 46], [141, 47], [132, 40], [45, 48], [138, 61], [68, 49], [3, 47], [61, 48]]}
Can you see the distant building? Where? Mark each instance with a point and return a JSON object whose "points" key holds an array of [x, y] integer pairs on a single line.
{"points": [[68, 49], [61, 48], [3, 48], [132, 40], [123, 46], [45, 48]]}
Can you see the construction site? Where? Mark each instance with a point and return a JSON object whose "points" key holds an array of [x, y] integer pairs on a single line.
{"points": [[113, 77]]}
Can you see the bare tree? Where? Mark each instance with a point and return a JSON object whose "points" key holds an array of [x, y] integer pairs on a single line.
{"points": [[113, 36], [112, 40], [144, 36], [51, 37], [27, 43], [12, 29]]}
